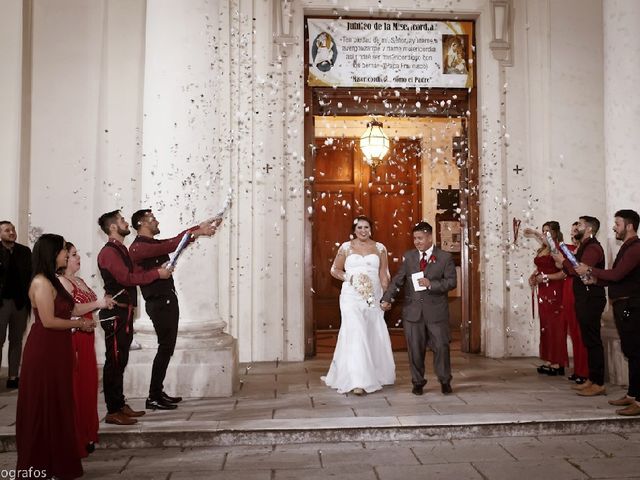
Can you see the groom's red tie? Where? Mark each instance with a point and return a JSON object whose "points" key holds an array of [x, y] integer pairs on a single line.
{"points": [[423, 261]]}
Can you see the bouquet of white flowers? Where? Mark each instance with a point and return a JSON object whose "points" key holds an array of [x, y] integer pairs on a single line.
{"points": [[363, 285]]}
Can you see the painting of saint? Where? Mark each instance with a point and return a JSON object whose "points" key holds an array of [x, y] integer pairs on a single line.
{"points": [[454, 51]]}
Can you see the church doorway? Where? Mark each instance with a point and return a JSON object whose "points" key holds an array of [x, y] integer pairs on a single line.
{"points": [[430, 173], [347, 186]]}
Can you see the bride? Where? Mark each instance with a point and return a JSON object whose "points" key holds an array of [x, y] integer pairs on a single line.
{"points": [[362, 361]]}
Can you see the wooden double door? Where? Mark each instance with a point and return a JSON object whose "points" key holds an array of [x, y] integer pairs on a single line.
{"points": [[344, 187]]}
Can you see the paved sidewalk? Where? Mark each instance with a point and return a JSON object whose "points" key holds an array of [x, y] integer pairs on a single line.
{"points": [[554, 457]]}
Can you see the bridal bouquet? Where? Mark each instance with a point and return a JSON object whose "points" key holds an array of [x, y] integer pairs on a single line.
{"points": [[362, 283]]}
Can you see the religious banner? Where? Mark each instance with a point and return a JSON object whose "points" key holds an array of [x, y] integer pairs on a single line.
{"points": [[390, 53]]}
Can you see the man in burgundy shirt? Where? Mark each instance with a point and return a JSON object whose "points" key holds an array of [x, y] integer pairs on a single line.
{"points": [[120, 282], [161, 302], [623, 280], [590, 301]]}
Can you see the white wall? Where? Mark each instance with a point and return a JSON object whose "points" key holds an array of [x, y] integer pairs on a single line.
{"points": [[87, 67], [10, 110], [555, 126], [622, 110], [577, 110]]}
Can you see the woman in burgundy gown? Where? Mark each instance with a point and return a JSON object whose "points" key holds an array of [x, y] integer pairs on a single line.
{"points": [[85, 371], [549, 282], [45, 427]]}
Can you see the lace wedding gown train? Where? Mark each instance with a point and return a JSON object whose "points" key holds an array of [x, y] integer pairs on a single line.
{"points": [[363, 356]]}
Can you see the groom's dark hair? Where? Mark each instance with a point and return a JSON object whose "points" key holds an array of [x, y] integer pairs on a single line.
{"points": [[422, 227]]}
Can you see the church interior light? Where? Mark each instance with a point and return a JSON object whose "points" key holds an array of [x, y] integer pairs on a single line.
{"points": [[374, 143]]}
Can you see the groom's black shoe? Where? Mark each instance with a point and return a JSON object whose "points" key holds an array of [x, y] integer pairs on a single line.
{"points": [[446, 388], [417, 389]]}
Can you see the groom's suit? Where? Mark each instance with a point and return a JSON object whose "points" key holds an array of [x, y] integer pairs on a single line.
{"points": [[425, 313]]}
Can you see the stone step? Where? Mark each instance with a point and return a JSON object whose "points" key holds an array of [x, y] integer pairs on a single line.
{"points": [[352, 429]]}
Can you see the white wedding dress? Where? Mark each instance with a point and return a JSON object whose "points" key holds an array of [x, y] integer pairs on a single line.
{"points": [[363, 356]]}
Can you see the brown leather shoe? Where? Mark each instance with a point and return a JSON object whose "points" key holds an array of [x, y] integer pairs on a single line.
{"points": [[119, 418], [631, 411], [592, 390], [582, 386], [129, 412], [622, 402]]}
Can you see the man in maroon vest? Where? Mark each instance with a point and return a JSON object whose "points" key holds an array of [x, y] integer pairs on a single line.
{"points": [[161, 302], [120, 282], [590, 301], [623, 280]]}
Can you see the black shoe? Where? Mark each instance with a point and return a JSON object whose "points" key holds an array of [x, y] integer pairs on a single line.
{"points": [[169, 399], [573, 377], [554, 372], [90, 447], [159, 404], [12, 383], [446, 388], [542, 369], [580, 380], [417, 389]]}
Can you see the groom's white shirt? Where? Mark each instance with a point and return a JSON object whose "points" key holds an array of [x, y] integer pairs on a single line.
{"points": [[429, 252]]}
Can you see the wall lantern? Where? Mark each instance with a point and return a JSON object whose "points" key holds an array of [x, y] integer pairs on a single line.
{"points": [[502, 12], [374, 143]]}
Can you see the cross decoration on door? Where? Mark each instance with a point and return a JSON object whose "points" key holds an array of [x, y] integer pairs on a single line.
{"points": [[518, 169]]}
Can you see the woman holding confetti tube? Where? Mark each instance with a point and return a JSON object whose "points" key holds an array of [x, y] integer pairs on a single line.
{"points": [[547, 279]]}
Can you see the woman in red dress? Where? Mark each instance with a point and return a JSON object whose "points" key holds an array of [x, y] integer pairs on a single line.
{"points": [[549, 282], [45, 427], [85, 372]]}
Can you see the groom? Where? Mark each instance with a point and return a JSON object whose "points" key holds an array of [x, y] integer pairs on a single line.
{"points": [[426, 307]]}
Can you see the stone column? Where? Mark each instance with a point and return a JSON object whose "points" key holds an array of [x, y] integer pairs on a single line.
{"points": [[11, 81], [184, 182], [621, 141]]}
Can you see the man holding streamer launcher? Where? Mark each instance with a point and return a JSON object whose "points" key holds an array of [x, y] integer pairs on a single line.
{"points": [[161, 302], [590, 302]]}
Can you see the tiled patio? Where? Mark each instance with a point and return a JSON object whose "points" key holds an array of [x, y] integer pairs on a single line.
{"points": [[281, 403]]}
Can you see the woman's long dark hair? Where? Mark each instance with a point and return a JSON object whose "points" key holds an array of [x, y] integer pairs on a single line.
{"points": [[43, 259]]}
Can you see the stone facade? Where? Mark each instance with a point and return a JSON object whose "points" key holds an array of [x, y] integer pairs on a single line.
{"points": [[168, 105]]}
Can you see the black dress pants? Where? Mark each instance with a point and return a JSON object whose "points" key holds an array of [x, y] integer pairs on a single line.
{"points": [[627, 315], [164, 314], [589, 313], [118, 335]]}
